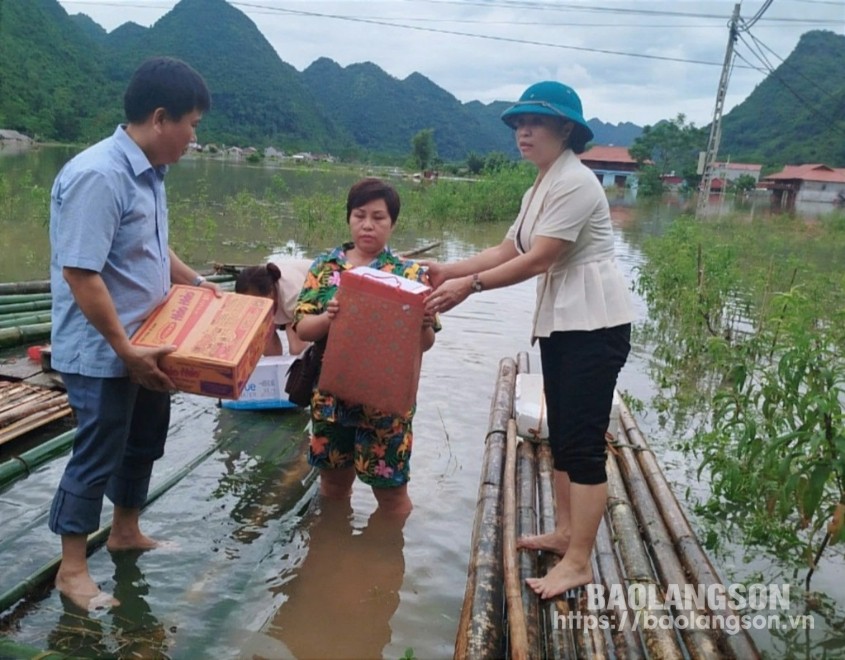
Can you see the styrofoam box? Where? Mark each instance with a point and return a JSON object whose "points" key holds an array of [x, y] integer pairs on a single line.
{"points": [[266, 386], [530, 408]]}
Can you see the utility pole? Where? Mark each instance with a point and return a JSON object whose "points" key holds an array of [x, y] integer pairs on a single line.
{"points": [[716, 126]]}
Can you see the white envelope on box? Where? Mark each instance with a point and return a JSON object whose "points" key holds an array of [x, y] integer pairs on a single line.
{"points": [[390, 279]]}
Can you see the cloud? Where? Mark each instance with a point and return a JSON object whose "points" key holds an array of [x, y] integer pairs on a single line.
{"points": [[628, 60]]}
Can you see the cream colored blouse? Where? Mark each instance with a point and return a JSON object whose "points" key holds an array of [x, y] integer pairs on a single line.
{"points": [[584, 289]]}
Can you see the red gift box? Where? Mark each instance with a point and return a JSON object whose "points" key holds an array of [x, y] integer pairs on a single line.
{"points": [[374, 353]]}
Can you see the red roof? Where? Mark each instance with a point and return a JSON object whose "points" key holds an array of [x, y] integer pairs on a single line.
{"points": [[810, 172], [608, 155]]}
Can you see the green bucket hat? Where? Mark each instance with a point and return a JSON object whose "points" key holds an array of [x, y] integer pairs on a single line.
{"points": [[549, 98]]}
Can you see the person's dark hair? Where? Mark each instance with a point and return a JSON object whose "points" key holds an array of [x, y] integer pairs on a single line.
{"points": [[578, 140], [258, 280], [165, 82], [366, 190]]}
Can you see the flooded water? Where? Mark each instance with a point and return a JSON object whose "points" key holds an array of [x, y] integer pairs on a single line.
{"points": [[256, 572]]}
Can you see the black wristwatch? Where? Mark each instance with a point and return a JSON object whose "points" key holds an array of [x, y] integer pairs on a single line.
{"points": [[476, 285]]}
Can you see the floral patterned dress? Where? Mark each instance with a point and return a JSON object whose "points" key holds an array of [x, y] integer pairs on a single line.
{"points": [[382, 442]]}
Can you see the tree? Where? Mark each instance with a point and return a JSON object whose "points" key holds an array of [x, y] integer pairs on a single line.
{"points": [[475, 163], [670, 147], [423, 150], [496, 161], [742, 184]]}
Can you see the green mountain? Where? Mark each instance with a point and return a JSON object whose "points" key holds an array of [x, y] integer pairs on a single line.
{"points": [[51, 83], [256, 98], [62, 78], [797, 114], [383, 113]]}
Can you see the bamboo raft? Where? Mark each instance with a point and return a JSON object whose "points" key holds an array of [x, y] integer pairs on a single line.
{"points": [[25, 407], [644, 540]]}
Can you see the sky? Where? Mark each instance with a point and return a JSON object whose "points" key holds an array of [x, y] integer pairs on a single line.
{"points": [[636, 61]]}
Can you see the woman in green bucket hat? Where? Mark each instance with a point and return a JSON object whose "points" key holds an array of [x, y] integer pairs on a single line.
{"points": [[583, 314]]}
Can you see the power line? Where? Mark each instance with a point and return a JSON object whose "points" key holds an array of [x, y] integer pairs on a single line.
{"points": [[369, 21]]}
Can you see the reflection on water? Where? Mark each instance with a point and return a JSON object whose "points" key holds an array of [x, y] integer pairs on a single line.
{"points": [[126, 631], [339, 601], [146, 635]]}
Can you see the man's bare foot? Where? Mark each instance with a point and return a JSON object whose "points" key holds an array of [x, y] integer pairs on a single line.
{"points": [[83, 592], [563, 577], [130, 541], [556, 542]]}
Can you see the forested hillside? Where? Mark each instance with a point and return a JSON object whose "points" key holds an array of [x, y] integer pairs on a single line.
{"points": [[51, 82], [797, 114], [383, 113], [62, 77]]}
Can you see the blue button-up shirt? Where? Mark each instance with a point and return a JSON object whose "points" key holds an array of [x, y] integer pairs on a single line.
{"points": [[108, 214]]}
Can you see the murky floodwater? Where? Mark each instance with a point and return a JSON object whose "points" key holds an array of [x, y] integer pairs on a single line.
{"points": [[255, 572]]}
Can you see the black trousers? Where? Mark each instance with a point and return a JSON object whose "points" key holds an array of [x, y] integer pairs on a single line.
{"points": [[580, 369]]}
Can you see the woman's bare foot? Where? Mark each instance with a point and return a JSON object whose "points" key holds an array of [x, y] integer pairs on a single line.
{"points": [[130, 541], [563, 577], [556, 542], [82, 591]]}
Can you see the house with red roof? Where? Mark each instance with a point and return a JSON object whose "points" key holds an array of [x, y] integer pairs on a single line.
{"points": [[815, 183], [613, 166], [728, 172]]}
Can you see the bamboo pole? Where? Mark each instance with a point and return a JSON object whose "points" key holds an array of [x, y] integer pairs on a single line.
{"points": [[589, 639], [696, 562], [11, 316], [30, 407], [407, 254], [480, 633], [517, 630], [12, 649], [33, 306], [22, 400], [24, 334], [19, 466], [626, 642], [35, 286], [37, 419], [526, 480], [24, 318], [22, 298], [659, 643], [559, 639], [700, 644]]}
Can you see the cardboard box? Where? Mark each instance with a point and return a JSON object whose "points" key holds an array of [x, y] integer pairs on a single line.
{"points": [[265, 389], [373, 353], [218, 340]]}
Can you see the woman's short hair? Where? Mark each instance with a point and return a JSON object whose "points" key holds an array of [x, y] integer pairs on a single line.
{"points": [[258, 280], [366, 190]]}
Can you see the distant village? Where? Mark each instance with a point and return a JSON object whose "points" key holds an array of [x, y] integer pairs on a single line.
{"points": [[269, 153], [795, 184], [814, 183]]}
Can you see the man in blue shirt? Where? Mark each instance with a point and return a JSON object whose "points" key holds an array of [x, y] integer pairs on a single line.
{"points": [[110, 267]]}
